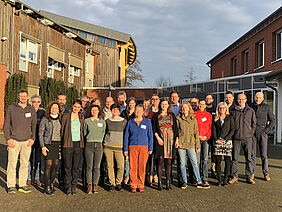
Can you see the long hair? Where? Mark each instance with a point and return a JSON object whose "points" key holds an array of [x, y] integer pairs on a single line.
{"points": [[169, 109], [48, 110], [191, 111], [78, 101], [217, 113], [127, 106]]}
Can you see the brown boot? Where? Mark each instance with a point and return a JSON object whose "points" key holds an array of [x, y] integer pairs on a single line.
{"points": [[37, 182], [95, 188], [89, 188]]}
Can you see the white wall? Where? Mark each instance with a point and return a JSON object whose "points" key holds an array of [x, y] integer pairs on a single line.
{"points": [[279, 117]]}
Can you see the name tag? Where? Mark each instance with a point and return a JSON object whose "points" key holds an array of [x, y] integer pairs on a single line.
{"points": [[204, 119], [100, 125], [27, 115], [143, 127]]}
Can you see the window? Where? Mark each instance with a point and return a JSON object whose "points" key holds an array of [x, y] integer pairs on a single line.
{"points": [[28, 53], [82, 34], [110, 42], [101, 39], [91, 37], [86, 66], [234, 65], [71, 77], [53, 65], [279, 44], [260, 52], [246, 61]]}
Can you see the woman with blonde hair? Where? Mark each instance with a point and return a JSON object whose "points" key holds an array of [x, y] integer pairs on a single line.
{"points": [[223, 130], [188, 143]]}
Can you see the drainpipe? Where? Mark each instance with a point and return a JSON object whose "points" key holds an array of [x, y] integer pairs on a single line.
{"points": [[12, 40], [276, 108]]}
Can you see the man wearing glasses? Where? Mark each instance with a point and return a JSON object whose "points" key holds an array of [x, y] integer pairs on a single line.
{"points": [[35, 159]]}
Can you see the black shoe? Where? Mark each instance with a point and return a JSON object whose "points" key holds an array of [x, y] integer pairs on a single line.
{"points": [[48, 190], [52, 188], [73, 190], [11, 190], [62, 185], [68, 191], [118, 187], [112, 188], [160, 186], [168, 186], [183, 186], [225, 183], [219, 183], [201, 185]]}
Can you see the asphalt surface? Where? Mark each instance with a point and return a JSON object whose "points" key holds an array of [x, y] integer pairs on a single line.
{"points": [[263, 196]]}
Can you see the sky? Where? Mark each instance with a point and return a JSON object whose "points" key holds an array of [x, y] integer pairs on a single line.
{"points": [[172, 37]]}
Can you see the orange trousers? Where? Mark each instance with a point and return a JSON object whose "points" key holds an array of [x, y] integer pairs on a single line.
{"points": [[138, 156]]}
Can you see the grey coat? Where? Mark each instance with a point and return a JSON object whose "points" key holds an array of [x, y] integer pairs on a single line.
{"points": [[45, 132], [245, 122]]}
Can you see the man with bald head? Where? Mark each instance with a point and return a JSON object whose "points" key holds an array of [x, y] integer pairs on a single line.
{"points": [[107, 110], [265, 123], [245, 126]]}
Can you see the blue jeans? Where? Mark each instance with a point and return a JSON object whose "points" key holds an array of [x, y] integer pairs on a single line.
{"points": [[34, 163], [193, 158], [202, 158], [126, 167]]}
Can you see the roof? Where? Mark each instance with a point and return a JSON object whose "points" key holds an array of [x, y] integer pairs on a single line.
{"points": [[20, 6], [87, 27], [260, 26], [277, 74]]}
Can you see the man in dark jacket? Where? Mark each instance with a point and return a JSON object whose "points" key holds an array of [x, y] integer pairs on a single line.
{"points": [[229, 99], [19, 132], [265, 123], [245, 126]]}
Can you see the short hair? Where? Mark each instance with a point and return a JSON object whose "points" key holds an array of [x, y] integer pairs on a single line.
{"points": [[174, 92], [139, 105], [146, 99], [154, 94], [243, 94], [121, 93], [194, 98], [62, 94], [85, 97], [22, 91], [202, 100], [113, 106], [35, 96], [209, 94], [48, 110], [229, 92]]}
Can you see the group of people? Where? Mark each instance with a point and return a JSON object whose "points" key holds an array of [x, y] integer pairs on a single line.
{"points": [[130, 142]]}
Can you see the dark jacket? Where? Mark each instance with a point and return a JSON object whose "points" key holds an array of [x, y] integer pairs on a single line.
{"points": [[263, 115], [20, 123], [225, 131], [159, 150], [245, 122], [40, 113], [126, 116], [66, 131], [45, 131]]}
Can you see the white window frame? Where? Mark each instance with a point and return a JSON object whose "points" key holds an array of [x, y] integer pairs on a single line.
{"points": [[51, 73], [279, 32], [75, 70], [27, 43], [86, 66], [259, 53]]}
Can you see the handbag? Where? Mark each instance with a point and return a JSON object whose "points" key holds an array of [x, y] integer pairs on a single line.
{"points": [[223, 148]]}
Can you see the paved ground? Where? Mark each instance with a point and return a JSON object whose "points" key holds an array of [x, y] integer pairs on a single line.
{"points": [[263, 196]]}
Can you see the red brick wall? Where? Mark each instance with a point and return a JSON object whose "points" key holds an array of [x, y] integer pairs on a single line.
{"points": [[3, 77], [222, 67]]}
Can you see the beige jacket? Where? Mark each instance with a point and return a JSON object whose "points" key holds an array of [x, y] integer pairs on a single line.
{"points": [[188, 132]]}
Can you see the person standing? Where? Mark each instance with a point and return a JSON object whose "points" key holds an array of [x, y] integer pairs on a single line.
{"points": [[50, 139], [188, 143], [94, 131], [34, 168], [107, 109], [72, 144], [204, 120], [194, 102], [229, 99], [20, 133], [265, 123], [151, 172], [138, 144], [245, 126], [223, 130], [165, 131], [62, 99], [174, 98], [121, 99], [146, 107], [113, 145]]}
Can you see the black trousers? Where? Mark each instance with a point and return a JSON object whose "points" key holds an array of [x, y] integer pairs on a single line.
{"points": [[227, 166], [72, 158]]}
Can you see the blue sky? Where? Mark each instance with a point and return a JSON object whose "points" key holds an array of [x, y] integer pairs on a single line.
{"points": [[172, 36]]}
